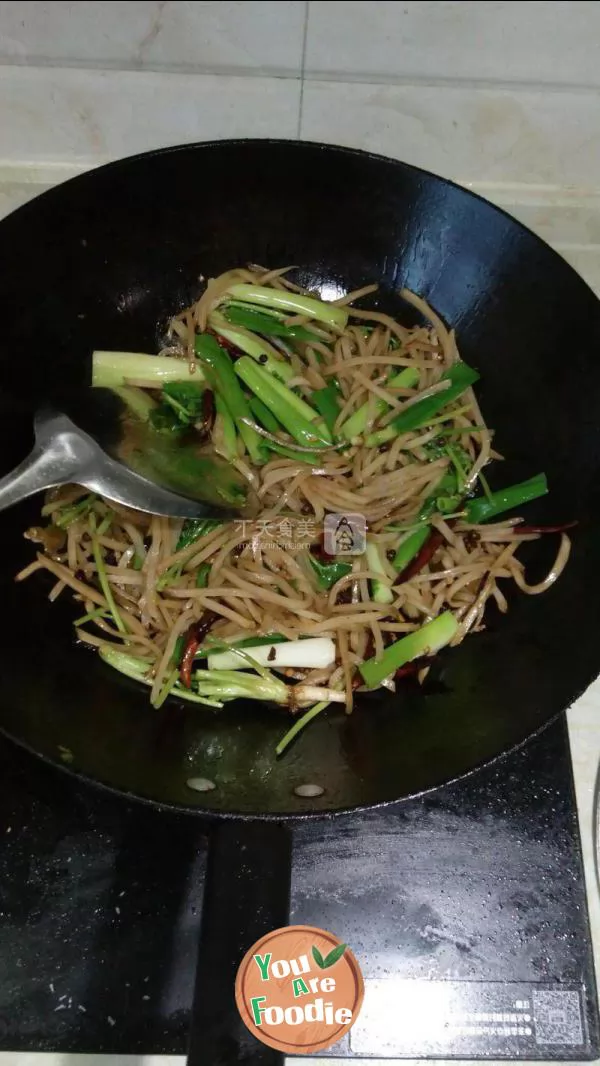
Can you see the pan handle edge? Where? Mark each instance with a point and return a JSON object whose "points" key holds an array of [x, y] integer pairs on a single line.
{"points": [[246, 895]]}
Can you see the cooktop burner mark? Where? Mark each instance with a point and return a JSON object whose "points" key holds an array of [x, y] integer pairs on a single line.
{"points": [[466, 909]]}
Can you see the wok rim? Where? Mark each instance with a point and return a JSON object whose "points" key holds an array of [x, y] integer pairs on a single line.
{"points": [[211, 814]]}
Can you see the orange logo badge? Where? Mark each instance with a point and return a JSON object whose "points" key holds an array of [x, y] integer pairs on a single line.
{"points": [[299, 989]]}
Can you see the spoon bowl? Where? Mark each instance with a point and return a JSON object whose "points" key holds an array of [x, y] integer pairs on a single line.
{"points": [[91, 439]]}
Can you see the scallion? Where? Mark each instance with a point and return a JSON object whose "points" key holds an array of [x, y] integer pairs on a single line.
{"points": [[293, 303], [425, 641], [294, 414], [381, 586], [258, 322], [327, 403], [358, 421], [483, 508], [299, 725], [460, 376], [253, 346], [110, 369], [328, 573], [220, 372]]}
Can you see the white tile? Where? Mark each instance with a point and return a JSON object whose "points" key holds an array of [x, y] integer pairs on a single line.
{"points": [[78, 115], [563, 218], [223, 36], [524, 41], [474, 135]]}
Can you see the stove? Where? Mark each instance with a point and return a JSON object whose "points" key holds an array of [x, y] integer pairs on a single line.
{"points": [[466, 909]]}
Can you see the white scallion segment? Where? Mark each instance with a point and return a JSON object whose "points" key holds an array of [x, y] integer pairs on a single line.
{"points": [[316, 653], [110, 369], [292, 302]]}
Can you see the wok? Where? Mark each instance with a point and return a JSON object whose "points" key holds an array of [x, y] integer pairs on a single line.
{"points": [[102, 261]]}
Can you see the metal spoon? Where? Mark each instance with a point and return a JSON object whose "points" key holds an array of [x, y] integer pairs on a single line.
{"points": [[87, 445]]}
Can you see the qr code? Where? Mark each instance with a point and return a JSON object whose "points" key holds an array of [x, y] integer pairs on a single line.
{"points": [[557, 1018]]}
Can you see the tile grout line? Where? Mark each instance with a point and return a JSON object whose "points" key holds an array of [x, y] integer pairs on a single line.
{"points": [[366, 78], [303, 67]]}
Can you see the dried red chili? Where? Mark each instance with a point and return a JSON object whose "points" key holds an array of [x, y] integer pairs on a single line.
{"points": [[193, 639], [423, 556], [546, 529]]}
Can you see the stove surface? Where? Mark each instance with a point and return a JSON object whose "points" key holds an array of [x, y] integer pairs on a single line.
{"points": [[466, 909]]}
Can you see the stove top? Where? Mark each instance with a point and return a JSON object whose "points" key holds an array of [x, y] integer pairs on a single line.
{"points": [[466, 909]]}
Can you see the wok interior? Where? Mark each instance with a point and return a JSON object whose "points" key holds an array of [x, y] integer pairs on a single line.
{"points": [[102, 261]]}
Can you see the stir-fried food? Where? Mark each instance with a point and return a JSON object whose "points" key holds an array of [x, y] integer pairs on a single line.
{"points": [[377, 540]]}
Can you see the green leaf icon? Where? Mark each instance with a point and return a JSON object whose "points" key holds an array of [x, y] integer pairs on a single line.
{"points": [[316, 954], [335, 954]]}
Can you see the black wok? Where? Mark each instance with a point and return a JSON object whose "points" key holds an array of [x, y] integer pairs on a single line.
{"points": [[101, 261]]}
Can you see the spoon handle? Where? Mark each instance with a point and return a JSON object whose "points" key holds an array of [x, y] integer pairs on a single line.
{"points": [[42, 469]]}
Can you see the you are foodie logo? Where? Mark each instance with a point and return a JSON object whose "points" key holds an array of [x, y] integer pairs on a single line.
{"points": [[299, 989]]}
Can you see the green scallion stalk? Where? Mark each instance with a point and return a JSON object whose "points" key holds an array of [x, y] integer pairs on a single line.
{"points": [[194, 529], [202, 575], [168, 578], [290, 397], [67, 515], [250, 318], [298, 418], [263, 416], [425, 641], [130, 665], [328, 573], [380, 436], [168, 687], [138, 669], [105, 523], [460, 376], [291, 302], [314, 331], [224, 437], [105, 584], [327, 403], [298, 725], [459, 430], [483, 508], [311, 458], [220, 372], [236, 684], [483, 481], [137, 400], [409, 547], [357, 423], [111, 369], [253, 346], [382, 591]]}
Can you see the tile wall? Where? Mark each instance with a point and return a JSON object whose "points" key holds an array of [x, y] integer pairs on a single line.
{"points": [[503, 96]]}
